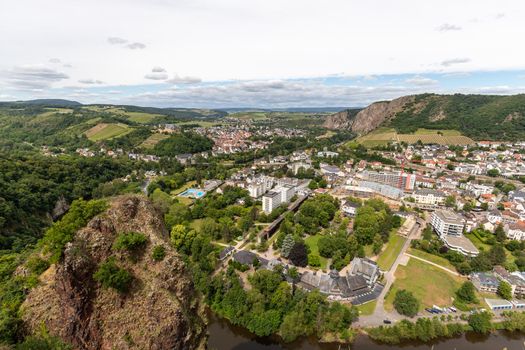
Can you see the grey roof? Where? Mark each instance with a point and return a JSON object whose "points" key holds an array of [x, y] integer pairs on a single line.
{"points": [[486, 279], [427, 191], [244, 257], [449, 217], [225, 252]]}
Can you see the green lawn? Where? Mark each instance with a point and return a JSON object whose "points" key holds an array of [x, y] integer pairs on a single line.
{"points": [[140, 117], [151, 141], [389, 254], [105, 131], [196, 224], [311, 242], [369, 251], [367, 309], [482, 246], [429, 284], [433, 258]]}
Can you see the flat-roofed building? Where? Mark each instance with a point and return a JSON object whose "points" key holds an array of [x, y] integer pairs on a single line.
{"points": [[447, 223], [429, 197], [499, 304], [271, 200], [449, 227]]}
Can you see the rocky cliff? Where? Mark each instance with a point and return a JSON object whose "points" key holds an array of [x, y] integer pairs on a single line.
{"points": [[369, 118], [160, 311], [340, 120]]}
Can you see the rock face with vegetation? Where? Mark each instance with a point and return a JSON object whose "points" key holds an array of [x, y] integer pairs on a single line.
{"points": [[340, 120], [477, 116], [110, 291]]}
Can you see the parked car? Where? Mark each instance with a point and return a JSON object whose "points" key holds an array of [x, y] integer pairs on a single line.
{"points": [[387, 321]]}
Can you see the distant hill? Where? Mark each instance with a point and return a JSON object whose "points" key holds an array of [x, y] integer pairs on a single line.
{"points": [[52, 103], [290, 109], [477, 116]]}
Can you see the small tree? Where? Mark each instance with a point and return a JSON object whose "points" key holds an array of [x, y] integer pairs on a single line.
{"points": [[314, 260], [287, 246], [405, 303], [467, 293], [505, 290], [500, 233], [298, 255]]}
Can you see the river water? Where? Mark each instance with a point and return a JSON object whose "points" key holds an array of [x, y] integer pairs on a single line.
{"points": [[225, 336]]}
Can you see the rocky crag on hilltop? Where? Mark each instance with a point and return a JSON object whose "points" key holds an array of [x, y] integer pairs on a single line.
{"points": [[368, 118], [159, 311]]}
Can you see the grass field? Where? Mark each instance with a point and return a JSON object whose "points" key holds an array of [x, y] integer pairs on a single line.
{"points": [[429, 284], [249, 115], [201, 123], [382, 136], [140, 117], [151, 141], [367, 309], [105, 131], [311, 242], [432, 258], [389, 254]]}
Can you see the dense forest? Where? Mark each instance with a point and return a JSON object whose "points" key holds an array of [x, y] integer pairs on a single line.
{"points": [[31, 185], [476, 116]]}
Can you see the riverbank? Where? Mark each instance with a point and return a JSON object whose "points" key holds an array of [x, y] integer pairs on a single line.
{"points": [[225, 336]]}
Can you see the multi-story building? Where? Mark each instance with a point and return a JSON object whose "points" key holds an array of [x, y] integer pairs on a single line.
{"points": [[447, 223], [449, 226], [485, 282], [271, 200], [403, 181], [429, 197]]}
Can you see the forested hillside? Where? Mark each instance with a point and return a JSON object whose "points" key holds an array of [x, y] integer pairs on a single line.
{"points": [[477, 116]]}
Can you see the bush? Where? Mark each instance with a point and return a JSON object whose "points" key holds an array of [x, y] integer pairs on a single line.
{"points": [[130, 241], [37, 265], [314, 260], [158, 253], [405, 303], [467, 293], [112, 276]]}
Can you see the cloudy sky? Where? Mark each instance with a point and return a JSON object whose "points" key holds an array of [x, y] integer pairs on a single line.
{"points": [[258, 53]]}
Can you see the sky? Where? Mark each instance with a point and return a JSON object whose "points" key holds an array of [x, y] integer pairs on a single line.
{"points": [[258, 53]]}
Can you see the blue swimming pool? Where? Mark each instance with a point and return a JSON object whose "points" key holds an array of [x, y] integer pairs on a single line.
{"points": [[193, 193]]}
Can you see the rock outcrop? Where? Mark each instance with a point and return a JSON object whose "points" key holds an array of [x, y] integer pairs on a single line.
{"points": [[339, 120], [369, 118], [160, 311]]}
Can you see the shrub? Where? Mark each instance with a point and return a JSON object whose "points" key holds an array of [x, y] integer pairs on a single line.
{"points": [[314, 260], [158, 253], [37, 265], [112, 276], [130, 241]]}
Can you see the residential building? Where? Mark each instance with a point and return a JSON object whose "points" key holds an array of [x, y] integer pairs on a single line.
{"points": [[429, 197], [515, 230], [271, 200], [447, 223], [485, 281], [403, 181]]}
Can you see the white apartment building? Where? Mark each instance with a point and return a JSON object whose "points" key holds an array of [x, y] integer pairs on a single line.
{"points": [[429, 197], [271, 200], [447, 223]]}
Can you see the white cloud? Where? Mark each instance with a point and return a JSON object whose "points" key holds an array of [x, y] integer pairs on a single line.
{"points": [[421, 81], [156, 76], [32, 77], [136, 46], [454, 61], [184, 80], [90, 81], [113, 40], [446, 27]]}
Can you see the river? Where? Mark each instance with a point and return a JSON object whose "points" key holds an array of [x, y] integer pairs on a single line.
{"points": [[225, 336]]}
